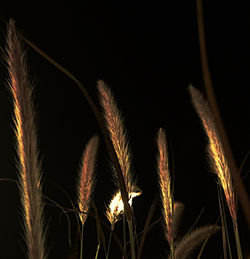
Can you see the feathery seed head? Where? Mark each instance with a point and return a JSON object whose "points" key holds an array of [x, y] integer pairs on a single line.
{"points": [[86, 178], [165, 185], [26, 145], [116, 129], [116, 206], [215, 149]]}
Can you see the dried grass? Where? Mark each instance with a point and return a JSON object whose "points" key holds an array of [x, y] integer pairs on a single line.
{"points": [[29, 166]]}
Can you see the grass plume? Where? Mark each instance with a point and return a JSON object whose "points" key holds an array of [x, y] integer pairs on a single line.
{"points": [[28, 157], [192, 240], [165, 186], [215, 150], [86, 183], [217, 158], [115, 126], [116, 129], [86, 178]]}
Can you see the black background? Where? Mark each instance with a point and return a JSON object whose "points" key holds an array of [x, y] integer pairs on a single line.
{"points": [[148, 53]]}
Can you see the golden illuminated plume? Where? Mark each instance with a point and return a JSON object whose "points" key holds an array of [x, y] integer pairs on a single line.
{"points": [[86, 178], [28, 165], [116, 206], [117, 133], [215, 150], [165, 185]]}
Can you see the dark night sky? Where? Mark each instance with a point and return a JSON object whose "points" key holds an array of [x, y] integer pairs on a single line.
{"points": [[148, 53]]}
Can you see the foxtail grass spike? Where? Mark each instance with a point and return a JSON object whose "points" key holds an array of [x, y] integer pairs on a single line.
{"points": [[239, 187], [28, 156], [217, 158], [86, 178], [215, 150], [192, 240], [165, 186], [86, 183], [115, 126], [116, 129]]}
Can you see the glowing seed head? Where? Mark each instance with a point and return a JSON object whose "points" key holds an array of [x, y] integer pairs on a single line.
{"points": [[116, 206]]}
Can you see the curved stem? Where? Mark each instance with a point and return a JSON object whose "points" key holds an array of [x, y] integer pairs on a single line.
{"points": [[97, 251], [238, 185]]}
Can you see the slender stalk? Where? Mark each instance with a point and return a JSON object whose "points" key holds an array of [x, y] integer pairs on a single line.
{"points": [[81, 247], [223, 223], [237, 239], [124, 233], [172, 250], [131, 236], [237, 182], [97, 251], [110, 237]]}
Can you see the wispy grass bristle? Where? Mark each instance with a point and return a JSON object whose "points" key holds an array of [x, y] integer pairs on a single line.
{"points": [[217, 158], [192, 240], [85, 184], [215, 149], [165, 186], [29, 166], [113, 129], [116, 129]]}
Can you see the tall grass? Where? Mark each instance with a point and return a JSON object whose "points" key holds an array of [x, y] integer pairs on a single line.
{"points": [[165, 187], [113, 127], [85, 184], [217, 157], [29, 165]]}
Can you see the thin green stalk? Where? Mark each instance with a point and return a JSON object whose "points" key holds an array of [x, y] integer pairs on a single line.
{"points": [[97, 251], [237, 239], [131, 237], [223, 225], [124, 234], [172, 250], [81, 248], [110, 237]]}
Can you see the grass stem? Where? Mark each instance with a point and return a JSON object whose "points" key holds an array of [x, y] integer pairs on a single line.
{"points": [[131, 236], [97, 251], [225, 239], [110, 237], [124, 234], [81, 247], [237, 239]]}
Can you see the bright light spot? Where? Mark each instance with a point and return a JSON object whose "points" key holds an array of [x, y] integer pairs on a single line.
{"points": [[116, 206]]}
